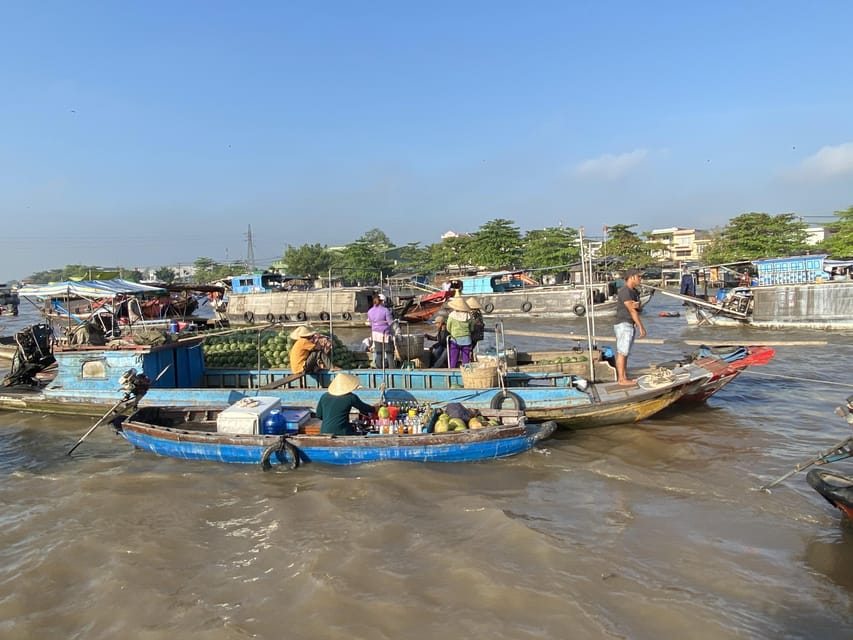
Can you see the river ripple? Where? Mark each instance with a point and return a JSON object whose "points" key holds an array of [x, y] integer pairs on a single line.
{"points": [[647, 531]]}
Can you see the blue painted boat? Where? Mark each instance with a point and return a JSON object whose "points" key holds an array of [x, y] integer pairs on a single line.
{"points": [[89, 381], [191, 433]]}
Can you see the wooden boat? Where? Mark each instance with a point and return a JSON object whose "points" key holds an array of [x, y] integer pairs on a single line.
{"points": [[88, 381], [9, 300], [508, 294], [272, 297], [423, 309], [191, 433], [796, 292], [835, 487], [117, 303], [725, 364]]}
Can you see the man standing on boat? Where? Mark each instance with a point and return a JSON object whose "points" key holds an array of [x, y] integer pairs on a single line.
{"points": [[627, 322]]}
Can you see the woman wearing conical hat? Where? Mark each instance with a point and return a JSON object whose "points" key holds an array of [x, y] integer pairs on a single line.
{"points": [[303, 345], [459, 329], [335, 405]]}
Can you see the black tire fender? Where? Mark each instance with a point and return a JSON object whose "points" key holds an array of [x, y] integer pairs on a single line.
{"points": [[324, 315], [489, 307], [301, 316], [283, 445], [347, 315], [249, 317], [579, 309], [502, 396], [270, 317], [526, 306]]}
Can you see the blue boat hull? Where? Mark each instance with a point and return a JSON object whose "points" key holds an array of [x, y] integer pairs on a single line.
{"points": [[469, 446]]}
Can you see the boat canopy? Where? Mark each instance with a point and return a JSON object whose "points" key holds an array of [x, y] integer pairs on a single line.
{"points": [[88, 289]]}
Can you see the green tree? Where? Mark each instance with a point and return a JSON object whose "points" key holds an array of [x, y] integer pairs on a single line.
{"points": [[451, 254], [496, 245], [413, 258], [840, 243], [550, 247], [377, 239], [758, 235], [134, 276], [360, 261], [165, 274], [630, 248], [308, 260], [209, 270], [72, 272]]}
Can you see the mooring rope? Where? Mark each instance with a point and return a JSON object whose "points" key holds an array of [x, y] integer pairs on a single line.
{"points": [[798, 378]]}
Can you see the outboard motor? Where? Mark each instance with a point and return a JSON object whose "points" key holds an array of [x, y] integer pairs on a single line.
{"points": [[34, 355]]}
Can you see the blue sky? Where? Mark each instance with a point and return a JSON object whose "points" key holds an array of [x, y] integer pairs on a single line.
{"points": [[144, 134]]}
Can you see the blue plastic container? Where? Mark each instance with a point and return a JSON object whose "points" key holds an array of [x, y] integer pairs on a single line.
{"points": [[173, 326], [275, 424]]}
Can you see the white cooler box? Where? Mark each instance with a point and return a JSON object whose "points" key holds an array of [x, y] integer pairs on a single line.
{"points": [[247, 415]]}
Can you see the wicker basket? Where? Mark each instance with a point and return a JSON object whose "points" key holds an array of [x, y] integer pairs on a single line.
{"points": [[479, 377]]}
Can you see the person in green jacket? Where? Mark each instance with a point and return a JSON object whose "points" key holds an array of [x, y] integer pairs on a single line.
{"points": [[335, 405], [459, 327]]}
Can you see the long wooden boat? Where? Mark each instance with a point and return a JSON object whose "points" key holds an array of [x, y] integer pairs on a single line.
{"points": [[725, 363], [514, 294], [191, 433], [89, 380], [796, 292]]}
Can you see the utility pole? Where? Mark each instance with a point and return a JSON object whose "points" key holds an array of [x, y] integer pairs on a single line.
{"points": [[250, 255]]}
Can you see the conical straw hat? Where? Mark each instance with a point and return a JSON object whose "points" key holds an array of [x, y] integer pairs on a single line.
{"points": [[343, 384]]}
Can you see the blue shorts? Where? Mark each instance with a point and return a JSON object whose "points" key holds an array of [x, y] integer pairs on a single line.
{"points": [[624, 337]]}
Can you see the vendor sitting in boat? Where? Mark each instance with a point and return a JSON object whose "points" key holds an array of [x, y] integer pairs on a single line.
{"points": [[305, 342], [335, 405]]}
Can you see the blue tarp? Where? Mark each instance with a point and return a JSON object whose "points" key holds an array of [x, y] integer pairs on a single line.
{"points": [[87, 289]]}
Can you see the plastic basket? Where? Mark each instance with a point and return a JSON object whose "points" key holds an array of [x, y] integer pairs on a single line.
{"points": [[479, 377], [409, 346]]}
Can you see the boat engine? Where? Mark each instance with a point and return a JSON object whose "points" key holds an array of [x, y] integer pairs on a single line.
{"points": [[135, 385], [34, 355]]}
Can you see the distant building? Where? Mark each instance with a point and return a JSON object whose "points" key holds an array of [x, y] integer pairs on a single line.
{"points": [[679, 245], [816, 235]]}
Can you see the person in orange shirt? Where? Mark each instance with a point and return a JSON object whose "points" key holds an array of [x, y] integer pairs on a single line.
{"points": [[304, 343]]}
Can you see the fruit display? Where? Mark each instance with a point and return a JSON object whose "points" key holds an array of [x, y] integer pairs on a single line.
{"points": [[406, 418], [564, 359], [240, 350]]}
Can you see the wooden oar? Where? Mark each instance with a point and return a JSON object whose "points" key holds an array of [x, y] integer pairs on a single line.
{"points": [[113, 411], [130, 399], [840, 451]]}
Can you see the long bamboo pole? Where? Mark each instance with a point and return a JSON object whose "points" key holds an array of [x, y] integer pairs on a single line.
{"points": [[574, 336]]}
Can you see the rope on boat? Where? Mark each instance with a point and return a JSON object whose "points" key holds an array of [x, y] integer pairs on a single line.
{"points": [[798, 378], [285, 446]]}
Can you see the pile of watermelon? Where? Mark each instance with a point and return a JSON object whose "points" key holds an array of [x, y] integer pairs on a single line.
{"points": [[240, 351]]}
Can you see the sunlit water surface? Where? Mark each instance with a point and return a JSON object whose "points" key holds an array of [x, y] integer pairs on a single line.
{"points": [[645, 531]]}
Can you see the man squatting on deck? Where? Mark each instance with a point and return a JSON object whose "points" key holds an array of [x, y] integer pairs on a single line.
{"points": [[627, 321]]}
